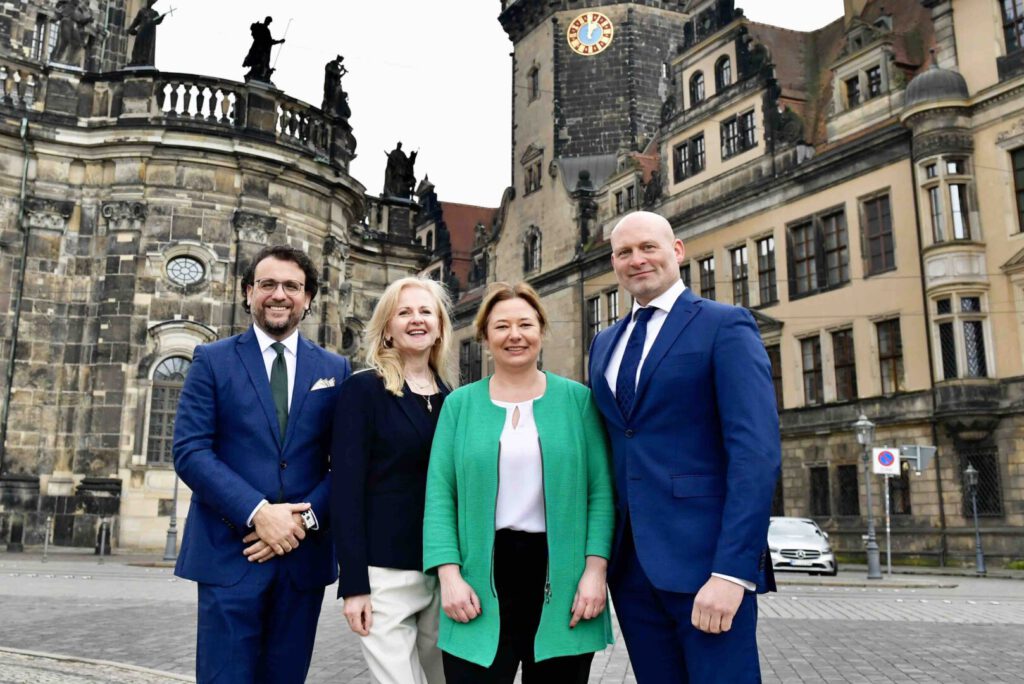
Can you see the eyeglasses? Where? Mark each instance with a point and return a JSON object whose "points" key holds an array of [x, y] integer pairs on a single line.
{"points": [[269, 286]]}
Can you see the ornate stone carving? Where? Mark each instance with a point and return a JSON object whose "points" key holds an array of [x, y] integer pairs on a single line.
{"points": [[47, 214], [335, 251], [253, 227], [943, 142], [124, 215], [1015, 131]]}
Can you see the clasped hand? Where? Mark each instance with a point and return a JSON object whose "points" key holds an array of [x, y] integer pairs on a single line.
{"points": [[277, 530]]}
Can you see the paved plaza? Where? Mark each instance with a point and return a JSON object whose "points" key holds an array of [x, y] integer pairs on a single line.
{"points": [[72, 620]]}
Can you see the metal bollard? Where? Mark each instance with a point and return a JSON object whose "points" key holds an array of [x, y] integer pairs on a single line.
{"points": [[103, 543], [46, 537], [15, 544]]}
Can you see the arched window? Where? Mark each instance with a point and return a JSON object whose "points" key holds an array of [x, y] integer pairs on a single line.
{"points": [[723, 74], [531, 250], [168, 379], [696, 89]]}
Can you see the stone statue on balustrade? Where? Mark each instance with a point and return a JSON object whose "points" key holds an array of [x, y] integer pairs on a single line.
{"points": [[73, 38], [335, 98], [258, 59], [399, 179], [144, 30]]}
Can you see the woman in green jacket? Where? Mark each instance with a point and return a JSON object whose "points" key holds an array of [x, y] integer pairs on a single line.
{"points": [[519, 511]]}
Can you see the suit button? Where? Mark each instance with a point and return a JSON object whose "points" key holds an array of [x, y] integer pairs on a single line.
{"points": [[629, 433], [284, 464]]}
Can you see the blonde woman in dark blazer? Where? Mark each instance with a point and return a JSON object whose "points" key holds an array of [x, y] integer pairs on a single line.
{"points": [[383, 428]]}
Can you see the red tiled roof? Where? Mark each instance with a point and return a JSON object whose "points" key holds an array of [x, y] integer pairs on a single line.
{"points": [[462, 220]]}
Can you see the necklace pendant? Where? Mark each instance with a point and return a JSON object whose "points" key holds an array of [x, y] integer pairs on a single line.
{"points": [[430, 408]]}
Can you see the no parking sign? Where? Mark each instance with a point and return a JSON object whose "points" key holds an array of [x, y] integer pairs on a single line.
{"points": [[886, 461]]}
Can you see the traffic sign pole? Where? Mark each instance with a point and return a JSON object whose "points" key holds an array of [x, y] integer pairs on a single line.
{"points": [[888, 528]]}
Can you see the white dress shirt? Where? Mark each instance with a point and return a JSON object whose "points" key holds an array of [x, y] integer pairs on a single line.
{"points": [[662, 304], [520, 504], [291, 346]]}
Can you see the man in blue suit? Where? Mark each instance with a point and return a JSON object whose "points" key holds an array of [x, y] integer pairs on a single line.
{"points": [[251, 440], [685, 388]]}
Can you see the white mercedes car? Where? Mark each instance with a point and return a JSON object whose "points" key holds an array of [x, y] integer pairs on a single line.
{"points": [[798, 544]]}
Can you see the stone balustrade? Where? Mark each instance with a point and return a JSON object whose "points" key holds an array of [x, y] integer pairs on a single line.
{"points": [[197, 98], [199, 104], [19, 82]]}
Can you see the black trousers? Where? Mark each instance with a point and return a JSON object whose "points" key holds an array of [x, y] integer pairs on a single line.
{"points": [[520, 571]]}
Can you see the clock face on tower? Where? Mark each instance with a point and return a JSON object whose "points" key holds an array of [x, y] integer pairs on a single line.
{"points": [[590, 33]]}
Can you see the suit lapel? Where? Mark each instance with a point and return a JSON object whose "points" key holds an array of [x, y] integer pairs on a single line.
{"points": [[305, 368], [416, 416], [252, 359], [686, 307]]}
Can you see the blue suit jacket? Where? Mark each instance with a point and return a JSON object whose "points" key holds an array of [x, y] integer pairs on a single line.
{"points": [[228, 451], [697, 458], [380, 453]]}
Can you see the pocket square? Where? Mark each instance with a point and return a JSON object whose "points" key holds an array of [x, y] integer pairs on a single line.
{"points": [[322, 383]]}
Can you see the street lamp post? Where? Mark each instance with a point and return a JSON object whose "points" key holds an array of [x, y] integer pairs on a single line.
{"points": [[865, 431], [171, 547], [971, 480]]}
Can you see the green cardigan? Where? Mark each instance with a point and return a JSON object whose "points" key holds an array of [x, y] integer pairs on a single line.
{"points": [[462, 491]]}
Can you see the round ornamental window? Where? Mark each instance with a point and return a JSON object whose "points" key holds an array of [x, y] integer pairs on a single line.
{"points": [[185, 270]]}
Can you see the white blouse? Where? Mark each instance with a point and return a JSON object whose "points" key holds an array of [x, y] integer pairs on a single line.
{"points": [[520, 471]]}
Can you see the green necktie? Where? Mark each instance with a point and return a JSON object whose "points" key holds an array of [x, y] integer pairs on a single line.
{"points": [[279, 388]]}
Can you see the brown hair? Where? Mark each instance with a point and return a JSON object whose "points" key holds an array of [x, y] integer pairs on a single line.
{"points": [[500, 292]]}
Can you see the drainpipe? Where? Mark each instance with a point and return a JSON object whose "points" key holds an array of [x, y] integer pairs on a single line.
{"points": [[19, 290], [943, 543]]}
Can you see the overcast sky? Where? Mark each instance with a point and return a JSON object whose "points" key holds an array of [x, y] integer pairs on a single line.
{"points": [[434, 75]]}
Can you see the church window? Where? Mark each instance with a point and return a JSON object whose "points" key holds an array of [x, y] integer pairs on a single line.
{"points": [[185, 270], [168, 379], [533, 79]]}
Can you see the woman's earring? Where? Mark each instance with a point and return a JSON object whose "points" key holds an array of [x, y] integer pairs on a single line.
{"points": [[387, 343]]}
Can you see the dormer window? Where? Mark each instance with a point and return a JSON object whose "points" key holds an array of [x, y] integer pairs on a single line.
{"points": [[723, 74], [874, 75], [696, 89], [853, 92]]}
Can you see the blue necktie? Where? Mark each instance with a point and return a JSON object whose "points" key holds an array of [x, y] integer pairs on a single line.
{"points": [[625, 381]]}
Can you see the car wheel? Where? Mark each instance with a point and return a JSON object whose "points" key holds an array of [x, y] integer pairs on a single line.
{"points": [[835, 570]]}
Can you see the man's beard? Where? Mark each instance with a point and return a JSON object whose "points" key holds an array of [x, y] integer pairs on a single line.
{"points": [[273, 328]]}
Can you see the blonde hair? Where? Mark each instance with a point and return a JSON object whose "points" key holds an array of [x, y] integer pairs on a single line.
{"points": [[384, 359], [500, 292]]}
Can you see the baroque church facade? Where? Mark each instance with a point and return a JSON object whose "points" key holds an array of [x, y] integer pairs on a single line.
{"points": [[860, 188], [130, 203]]}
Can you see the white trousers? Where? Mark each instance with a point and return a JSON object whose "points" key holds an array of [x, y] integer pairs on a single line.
{"points": [[402, 645]]}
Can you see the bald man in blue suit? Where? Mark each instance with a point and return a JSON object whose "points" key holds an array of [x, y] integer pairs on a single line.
{"points": [[251, 440], [684, 385]]}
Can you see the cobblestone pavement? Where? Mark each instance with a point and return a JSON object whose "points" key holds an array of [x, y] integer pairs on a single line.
{"points": [[903, 629]]}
